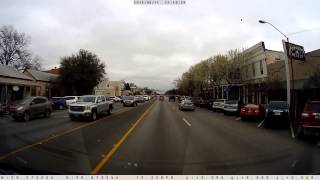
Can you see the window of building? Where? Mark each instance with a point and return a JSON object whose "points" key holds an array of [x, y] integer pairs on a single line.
{"points": [[253, 70], [261, 67]]}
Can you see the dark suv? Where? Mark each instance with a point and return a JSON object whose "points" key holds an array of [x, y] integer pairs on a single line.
{"points": [[172, 98], [277, 113], [310, 118], [30, 107]]}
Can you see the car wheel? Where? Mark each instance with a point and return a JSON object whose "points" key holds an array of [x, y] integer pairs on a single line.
{"points": [[26, 116], [300, 132], [109, 111], [94, 116], [47, 113]]}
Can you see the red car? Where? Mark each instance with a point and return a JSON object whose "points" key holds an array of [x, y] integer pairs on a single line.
{"points": [[310, 118], [253, 111]]}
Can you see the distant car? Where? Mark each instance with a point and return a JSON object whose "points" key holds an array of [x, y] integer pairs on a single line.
{"points": [[209, 103], [58, 103], [31, 107], [71, 99], [232, 107], [115, 98], [252, 111], [129, 101], [310, 119], [161, 98], [186, 105], [172, 98], [140, 99], [218, 104], [277, 114], [146, 97], [196, 101]]}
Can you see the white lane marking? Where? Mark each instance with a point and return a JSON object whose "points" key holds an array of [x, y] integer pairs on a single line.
{"points": [[260, 124], [238, 119], [294, 164], [184, 119], [292, 131]]}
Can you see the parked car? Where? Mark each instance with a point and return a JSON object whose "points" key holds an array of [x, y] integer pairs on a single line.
{"points": [[218, 104], [146, 97], [71, 99], [232, 107], [252, 111], [196, 101], [129, 101], [31, 107], [58, 103], [161, 98], [115, 98], [90, 106], [140, 98], [186, 105], [172, 98], [2, 111], [277, 114], [209, 103], [310, 119]]}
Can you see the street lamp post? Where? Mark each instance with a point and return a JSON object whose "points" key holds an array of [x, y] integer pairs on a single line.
{"points": [[286, 61]]}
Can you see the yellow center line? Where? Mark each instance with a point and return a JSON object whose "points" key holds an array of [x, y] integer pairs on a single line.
{"points": [[45, 140], [118, 144]]}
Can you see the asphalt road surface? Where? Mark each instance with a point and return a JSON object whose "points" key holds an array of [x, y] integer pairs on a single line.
{"points": [[153, 138]]}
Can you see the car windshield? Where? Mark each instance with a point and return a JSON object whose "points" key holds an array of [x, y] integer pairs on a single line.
{"points": [[232, 102], [313, 107], [87, 99], [24, 101], [128, 98], [277, 105], [251, 106]]}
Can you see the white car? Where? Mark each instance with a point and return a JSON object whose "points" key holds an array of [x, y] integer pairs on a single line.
{"points": [[218, 104], [115, 98], [71, 99], [146, 97]]}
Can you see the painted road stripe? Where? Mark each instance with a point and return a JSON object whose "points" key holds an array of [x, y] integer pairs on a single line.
{"points": [[45, 140], [260, 124], [184, 119], [292, 131], [238, 119], [107, 157]]}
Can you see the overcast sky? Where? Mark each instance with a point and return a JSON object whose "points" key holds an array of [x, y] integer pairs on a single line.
{"points": [[153, 45]]}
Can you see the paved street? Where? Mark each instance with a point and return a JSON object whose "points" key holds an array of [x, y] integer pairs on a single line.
{"points": [[155, 138]]}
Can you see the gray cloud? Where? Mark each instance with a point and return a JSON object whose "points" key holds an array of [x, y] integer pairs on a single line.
{"points": [[153, 45]]}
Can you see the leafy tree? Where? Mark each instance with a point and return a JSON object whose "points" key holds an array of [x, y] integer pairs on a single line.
{"points": [[13, 48], [81, 72]]}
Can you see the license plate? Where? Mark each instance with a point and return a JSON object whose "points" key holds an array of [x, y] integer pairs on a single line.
{"points": [[277, 113]]}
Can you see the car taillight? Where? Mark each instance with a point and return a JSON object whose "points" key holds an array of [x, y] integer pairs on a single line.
{"points": [[243, 110], [305, 115], [256, 111]]}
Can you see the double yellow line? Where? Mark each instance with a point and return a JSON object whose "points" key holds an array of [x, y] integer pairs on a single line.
{"points": [[106, 158]]}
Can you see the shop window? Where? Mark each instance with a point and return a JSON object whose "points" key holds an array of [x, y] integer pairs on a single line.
{"points": [[261, 68]]}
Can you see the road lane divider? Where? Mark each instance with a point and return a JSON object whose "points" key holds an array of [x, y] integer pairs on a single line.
{"points": [[260, 124], [116, 146], [184, 119], [45, 140]]}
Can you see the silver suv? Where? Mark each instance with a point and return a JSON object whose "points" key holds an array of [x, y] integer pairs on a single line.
{"points": [[90, 106]]}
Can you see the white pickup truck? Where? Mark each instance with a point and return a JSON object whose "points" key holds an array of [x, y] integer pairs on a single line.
{"points": [[90, 106]]}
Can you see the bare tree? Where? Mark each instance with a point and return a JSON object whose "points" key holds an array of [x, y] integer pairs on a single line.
{"points": [[13, 48], [35, 63]]}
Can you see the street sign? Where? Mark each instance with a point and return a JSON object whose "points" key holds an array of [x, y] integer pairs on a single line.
{"points": [[295, 51]]}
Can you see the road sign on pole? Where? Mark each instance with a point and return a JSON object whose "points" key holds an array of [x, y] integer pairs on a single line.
{"points": [[287, 71]]}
